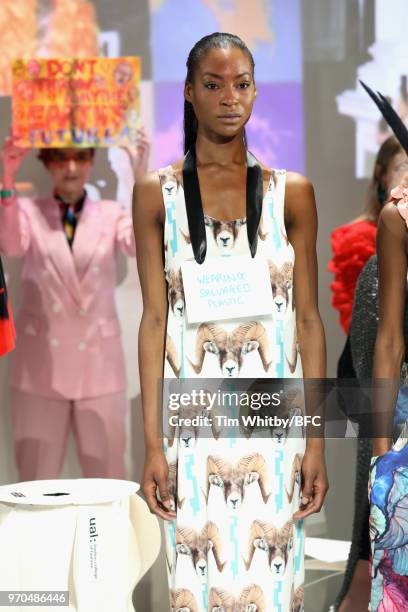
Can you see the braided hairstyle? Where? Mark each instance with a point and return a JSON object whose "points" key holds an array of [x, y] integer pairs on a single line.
{"points": [[217, 40]]}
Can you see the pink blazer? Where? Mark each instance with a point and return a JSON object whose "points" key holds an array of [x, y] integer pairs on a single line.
{"points": [[68, 333]]}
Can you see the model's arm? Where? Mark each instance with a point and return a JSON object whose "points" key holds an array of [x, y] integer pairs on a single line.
{"points": [[301, 227], [389, 346], [301, 224], [14, 224], [148, 215]]}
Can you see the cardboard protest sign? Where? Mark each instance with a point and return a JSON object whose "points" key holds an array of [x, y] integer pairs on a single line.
{"points": [[69, 102]]}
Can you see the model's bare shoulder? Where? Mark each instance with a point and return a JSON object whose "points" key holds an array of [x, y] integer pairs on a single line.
{"points": [[299, 197], [394, 219], [297, 184], [147, 197]]}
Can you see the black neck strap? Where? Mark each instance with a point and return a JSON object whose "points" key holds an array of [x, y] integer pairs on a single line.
{"points": [[194, 206]]}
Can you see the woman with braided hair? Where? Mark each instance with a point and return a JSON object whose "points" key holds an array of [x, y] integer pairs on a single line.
{"points": [[234, 507]]}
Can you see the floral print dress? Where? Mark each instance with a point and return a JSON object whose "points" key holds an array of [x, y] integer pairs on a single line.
{"points": [[388, 495]]}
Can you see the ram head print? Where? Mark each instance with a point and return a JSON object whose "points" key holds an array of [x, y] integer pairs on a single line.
{"points": [[169, 182], [291, 406], [295, 477], [197, 545], [225, 233], [251, 599], [231, 347], [172, 486], [189, 433], [281, 283], [233, 479], [183, 600], [294, 353], [276, 543], [175, 293]]}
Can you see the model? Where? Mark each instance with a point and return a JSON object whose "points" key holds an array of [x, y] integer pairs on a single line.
{"points": [[233, 506], [388, 490], [353, 244]]}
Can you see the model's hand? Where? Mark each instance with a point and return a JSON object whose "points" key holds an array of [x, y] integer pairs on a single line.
{"points": [[139, 155], [314, 483], [12, 156], [155, 477]]}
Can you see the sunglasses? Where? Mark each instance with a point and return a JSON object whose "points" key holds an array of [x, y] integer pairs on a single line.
{"points": [[61, 157]]}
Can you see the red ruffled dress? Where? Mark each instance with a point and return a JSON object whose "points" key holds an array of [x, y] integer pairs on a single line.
{"points": [[7, 331], [352, 245]]}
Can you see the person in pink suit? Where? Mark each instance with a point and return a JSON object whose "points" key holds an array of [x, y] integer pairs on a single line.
{"points": [[68, 368]]}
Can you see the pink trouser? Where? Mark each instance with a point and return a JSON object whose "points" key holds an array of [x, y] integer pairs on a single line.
{"points": [[41, 427]]}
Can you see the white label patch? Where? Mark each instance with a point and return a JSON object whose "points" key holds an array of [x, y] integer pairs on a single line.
{"points": [[226, 288]]}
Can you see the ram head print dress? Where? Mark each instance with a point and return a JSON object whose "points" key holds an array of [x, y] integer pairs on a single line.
{"points": [[234, 544]]}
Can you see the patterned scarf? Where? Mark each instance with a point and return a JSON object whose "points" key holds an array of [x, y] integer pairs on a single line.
{"points": [[70, 215], [3, 295]]}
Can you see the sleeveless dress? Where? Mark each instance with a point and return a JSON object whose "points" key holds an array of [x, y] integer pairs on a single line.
{"points": [[233, 545], [388, 496]]}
